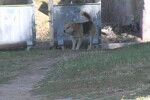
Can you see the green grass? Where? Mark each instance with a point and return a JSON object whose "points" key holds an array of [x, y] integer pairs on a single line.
{"points": [[12, 62], [95, 75]]}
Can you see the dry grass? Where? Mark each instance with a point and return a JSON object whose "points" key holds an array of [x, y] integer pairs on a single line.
{"points": [[13, 62], [114, 74], [42, 20]]}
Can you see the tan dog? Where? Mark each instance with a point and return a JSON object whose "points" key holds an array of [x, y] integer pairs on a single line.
{"points": [[79, 30]]}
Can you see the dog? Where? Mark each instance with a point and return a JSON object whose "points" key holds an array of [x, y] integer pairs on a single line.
{"points": [[79, 30]]}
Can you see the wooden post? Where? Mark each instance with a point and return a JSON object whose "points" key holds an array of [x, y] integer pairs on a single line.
{"points": [[51, 26]]}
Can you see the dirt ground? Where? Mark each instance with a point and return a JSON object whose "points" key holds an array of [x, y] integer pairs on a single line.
{"points": [[20, 87], [119, 35]]}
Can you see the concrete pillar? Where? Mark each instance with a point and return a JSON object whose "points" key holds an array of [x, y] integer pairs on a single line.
{"points": [[146, 21]]}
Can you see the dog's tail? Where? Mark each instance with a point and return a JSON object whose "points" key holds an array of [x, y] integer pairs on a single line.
{"points": [[85, 14]]}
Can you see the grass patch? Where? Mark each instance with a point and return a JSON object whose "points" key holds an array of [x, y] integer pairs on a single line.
{"points": [[142, 94], [98, 74], [12, 62]]}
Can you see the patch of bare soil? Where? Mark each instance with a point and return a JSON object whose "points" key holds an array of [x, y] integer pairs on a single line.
{"points": [[42, 20], [19, 88], [42, 25], [120, 35]]}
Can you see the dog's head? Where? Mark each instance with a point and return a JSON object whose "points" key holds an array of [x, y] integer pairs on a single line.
{"points": [[69, 28]]}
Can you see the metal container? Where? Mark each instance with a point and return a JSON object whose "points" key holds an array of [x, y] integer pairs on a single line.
{"points": [[17, 23], [71, 13]]}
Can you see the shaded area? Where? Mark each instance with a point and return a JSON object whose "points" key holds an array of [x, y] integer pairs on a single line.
{"points": [[71, 13], [117, 31], [42, 25], [114, 33], [76, 1], [121, 20], [14, 2], [120, 34]]}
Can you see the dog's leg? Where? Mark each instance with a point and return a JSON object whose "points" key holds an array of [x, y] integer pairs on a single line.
{"points": [[91, 42], [73, 43], [79, 43]]}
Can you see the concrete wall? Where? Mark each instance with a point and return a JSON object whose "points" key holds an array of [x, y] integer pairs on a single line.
{"points": [[146, 21], [125, 12], [122, 12]]}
